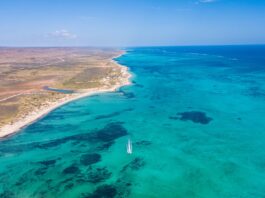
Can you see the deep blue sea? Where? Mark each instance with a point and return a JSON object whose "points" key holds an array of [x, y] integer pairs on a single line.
{"points": [[196, 119]]}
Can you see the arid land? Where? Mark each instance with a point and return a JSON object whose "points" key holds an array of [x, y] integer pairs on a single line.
{"points": [[24, 72]]}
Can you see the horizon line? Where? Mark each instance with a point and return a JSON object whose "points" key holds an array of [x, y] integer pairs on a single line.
{"points": [[132, 46]]}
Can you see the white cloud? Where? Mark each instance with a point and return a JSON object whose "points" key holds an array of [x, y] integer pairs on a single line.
{"points": [[63, 34]]}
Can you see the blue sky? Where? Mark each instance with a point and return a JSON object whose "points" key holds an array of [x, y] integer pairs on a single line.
{"points": [[131, 22]]}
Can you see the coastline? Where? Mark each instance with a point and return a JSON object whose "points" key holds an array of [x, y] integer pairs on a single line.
{"points": [[11, 129]]}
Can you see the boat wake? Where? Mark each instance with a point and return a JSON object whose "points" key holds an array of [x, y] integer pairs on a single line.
{"points": [[129, 147]]}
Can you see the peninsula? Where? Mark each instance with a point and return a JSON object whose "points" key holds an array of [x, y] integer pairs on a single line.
{"points": [[34, 81]]}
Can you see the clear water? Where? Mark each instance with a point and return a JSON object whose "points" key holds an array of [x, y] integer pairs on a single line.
{"points": [[195, 116]]}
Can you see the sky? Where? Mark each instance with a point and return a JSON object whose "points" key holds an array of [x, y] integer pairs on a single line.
{"points": [[131, 22]]}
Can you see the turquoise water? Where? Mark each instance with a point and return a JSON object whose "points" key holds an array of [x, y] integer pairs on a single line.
{"points": [[195, 116]]}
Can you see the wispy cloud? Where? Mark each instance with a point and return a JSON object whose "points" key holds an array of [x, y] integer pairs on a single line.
{"points": [[62, 34]]}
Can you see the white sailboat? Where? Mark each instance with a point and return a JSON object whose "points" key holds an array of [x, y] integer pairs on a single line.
{"points": [[129, 147]]}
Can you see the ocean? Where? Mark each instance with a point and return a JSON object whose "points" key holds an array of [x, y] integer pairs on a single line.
{"points": [[195, 117]]}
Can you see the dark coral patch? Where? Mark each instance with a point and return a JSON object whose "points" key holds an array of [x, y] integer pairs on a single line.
{"points": [[256, 92], [98, 175], [69, 186], [107, 115], [66, 181], [48, 162], [116, 113], [48, 181], [22, 180], [104, 191], [123, 186], [143, 143], [39, 128], [194, 116], [52, 143], [7, 194], [135, 164], [174, 117], [139, 85], [89, 159], [105, 146], [110, 132], [71, 170], [128, 95], [41, 171], [80, 181]]}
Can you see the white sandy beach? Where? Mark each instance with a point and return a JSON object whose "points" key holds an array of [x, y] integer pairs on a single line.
{"points": [[12, 128]]}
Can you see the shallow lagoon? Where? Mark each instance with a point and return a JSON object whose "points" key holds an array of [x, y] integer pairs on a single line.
{"points": [[195, 116]]}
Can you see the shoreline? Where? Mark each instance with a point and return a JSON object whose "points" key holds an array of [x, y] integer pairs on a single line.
{"points": [[11, 129]]}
